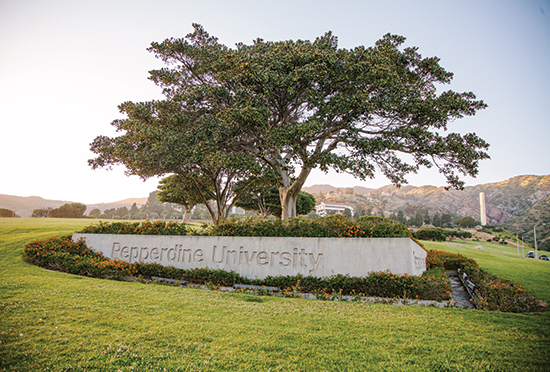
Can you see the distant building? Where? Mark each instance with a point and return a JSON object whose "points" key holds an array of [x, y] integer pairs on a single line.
{"points": [[324, 209], [237, 210]]}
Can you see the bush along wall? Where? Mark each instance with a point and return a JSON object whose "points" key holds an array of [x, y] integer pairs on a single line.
{"points": [[335, 226], [138, 228]]}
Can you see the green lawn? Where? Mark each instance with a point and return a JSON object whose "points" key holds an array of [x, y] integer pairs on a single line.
{"points": [[59, 322]]}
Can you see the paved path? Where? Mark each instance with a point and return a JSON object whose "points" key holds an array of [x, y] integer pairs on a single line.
{"points": [[458, 292]]}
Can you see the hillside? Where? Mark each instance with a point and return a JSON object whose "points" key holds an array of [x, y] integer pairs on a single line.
{"points": [[524, 222], [117, 204], [24, 206], [503, 199]]}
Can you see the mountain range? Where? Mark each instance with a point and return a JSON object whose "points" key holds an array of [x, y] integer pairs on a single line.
{"points": [[25, 205], [503, 199]]}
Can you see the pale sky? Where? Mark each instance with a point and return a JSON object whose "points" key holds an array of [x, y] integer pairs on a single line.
{"points": [[65, 66]]}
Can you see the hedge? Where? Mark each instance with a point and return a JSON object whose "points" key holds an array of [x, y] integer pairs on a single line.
{"points": [[328, 227]]}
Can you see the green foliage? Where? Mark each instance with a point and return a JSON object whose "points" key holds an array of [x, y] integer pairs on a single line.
{"points": [[7, 213], [458, 234], [468, 222], [503, 295], [291, 104], [347, 212], [449, 261], [189, 146], [41, 213], [329, 226], [264, 199], [179, 190], [62, 254], [305, 203], [439, 235], [431, 233], [94, 213], [70, 210], [138, 228]]}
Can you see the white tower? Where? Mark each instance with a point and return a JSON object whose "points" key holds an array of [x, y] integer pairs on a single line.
{"points": [[482, 210]]}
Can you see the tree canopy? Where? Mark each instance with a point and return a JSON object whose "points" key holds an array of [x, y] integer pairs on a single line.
{"points": [[293, 106], [69, 210], [175, 189], [468, 222]]}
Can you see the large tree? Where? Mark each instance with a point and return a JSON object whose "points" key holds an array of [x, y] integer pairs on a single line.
{"points": [[70, 210], [160, 137], [299, 105]]}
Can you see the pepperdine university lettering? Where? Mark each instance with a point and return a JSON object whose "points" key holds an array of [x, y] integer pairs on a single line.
{"points": [[220, 255], [256, 257]]}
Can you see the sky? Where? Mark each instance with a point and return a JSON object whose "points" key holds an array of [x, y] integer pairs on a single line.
{"points": [[66, 65]]}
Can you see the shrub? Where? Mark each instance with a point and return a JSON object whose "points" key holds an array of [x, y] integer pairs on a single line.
{"points": [[138, 228], [431, 233], [63, 254], [449, 261], [7, 213]]}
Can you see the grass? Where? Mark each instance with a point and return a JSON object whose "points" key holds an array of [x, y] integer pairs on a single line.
{"points": [[59, 322]]}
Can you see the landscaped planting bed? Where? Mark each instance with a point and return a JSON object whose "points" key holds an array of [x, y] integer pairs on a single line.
{"points": [[65, 255]]}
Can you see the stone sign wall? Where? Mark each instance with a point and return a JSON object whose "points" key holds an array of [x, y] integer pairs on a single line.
{"points": [[259, 257]]}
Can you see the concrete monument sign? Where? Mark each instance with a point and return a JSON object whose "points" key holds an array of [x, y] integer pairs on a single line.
{"points": [[259, 257]]}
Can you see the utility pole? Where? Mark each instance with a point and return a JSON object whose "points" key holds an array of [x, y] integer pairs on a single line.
{"points": [[535, 232]]}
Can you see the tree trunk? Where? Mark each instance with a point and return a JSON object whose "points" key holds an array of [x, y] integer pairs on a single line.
{"points": [[289, 193], [188, 209], [288, 202]]}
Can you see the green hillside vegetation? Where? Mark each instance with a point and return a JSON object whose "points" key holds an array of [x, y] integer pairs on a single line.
{"points": [[525, 221], [56, 321], [514, 194]]}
